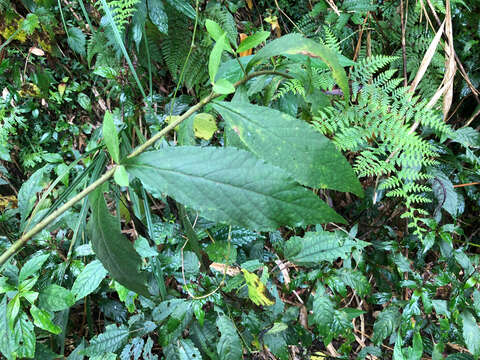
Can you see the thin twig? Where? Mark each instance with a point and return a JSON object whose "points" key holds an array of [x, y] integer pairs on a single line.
{"points": [[404, 42]]}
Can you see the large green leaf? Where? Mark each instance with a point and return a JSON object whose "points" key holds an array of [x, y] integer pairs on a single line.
{"points": [[230, 185], [386, 323], [471, 332], [297, 44], [116, 253], [291, 144], [156, 11], [89, 279], [111, 340], [315, 247], [229, 346]]}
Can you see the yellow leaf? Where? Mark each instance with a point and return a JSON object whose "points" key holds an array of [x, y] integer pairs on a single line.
{"points": [[29, 89], [171, 119], [318, 356], [61, 88], [204, 126], [273, 21], [250, 4], [6, 200], [257, 292]]}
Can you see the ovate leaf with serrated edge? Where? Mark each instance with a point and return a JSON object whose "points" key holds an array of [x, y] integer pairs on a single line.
{"points": [[257, 292], [386, 323], [89, 279], [111, 340], [297, 44], [110, 136], [291, 144], [114, 251], [315, 247], [231, 186], [77, 40], [32, 266], [471, 332], [229, 346]]}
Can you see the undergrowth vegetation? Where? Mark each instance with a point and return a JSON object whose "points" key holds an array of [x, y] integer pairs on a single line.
{"points": [[239, 180]]}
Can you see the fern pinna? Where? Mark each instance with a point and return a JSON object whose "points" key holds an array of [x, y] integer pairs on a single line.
{"points": [[378, 127], [121, 10]]}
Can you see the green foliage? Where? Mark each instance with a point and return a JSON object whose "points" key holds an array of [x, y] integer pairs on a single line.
{"points": [[116, 253], [123, 10], [258, 128], [315, 247], [175, 48], [220, 243], [230, 174], [382, 109]]}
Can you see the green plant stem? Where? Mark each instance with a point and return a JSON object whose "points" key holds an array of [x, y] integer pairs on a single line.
{"points": [[193, 240], [17, 245], [118, 39]]}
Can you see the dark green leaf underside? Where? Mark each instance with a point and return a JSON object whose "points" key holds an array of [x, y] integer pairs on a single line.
{"points": [[115, 252]]}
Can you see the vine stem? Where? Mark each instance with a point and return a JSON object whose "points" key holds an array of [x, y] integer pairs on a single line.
{"points": [[17, 245]]}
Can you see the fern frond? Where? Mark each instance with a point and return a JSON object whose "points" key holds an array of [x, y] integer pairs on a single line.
{"points": [[122, 11], [378, 128], [223, 17]]}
